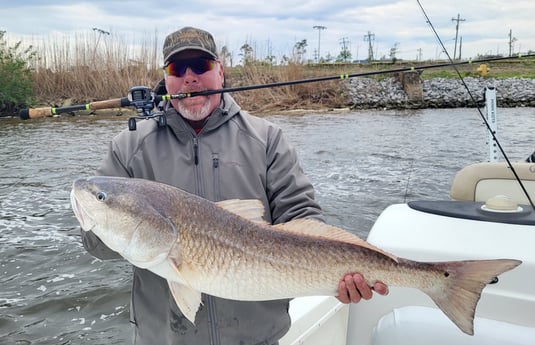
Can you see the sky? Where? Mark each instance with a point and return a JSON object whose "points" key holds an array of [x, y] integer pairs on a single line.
{"points": [[273, 27]]}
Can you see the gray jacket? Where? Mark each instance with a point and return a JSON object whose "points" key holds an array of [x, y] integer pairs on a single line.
{"points": [[235, 155]]}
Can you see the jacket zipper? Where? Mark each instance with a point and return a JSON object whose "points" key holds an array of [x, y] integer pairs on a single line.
{"points": [[210, 302], [212, 321], [198, 179], [196, 150], [215, 166]]}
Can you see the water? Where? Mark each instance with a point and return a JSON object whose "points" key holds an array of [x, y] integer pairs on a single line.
{"points": [[53, 292]]}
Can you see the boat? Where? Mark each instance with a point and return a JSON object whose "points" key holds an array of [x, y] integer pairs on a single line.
{"points": [[488, 216]]}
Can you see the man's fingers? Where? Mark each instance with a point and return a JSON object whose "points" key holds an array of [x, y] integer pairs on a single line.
{"points": [[343, 295], [380, 288], [363, 289], [353, 288]]}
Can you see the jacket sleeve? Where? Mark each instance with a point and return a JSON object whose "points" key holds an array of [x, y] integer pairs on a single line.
{"points": [[290, 193], [111, 166]]}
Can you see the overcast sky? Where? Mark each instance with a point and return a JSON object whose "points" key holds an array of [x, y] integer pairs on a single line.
{"points": [[274, 26]]}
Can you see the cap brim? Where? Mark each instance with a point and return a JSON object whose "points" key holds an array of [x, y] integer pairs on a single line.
{"points": [[181, 49]]}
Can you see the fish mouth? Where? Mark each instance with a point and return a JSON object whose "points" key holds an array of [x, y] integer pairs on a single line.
{"points": [[81, 215]]}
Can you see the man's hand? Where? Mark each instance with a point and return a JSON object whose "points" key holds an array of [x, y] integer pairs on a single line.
{"points": [[353, 288]]}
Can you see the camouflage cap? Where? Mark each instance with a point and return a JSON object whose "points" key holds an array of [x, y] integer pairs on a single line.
{"points": [[188, 38]]}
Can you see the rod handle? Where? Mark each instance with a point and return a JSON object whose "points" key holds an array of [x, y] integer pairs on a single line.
{"points": [[30, 113], [33, 113]]}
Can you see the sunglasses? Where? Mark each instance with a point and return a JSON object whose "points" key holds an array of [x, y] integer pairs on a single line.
{"points": [[198, 66]]}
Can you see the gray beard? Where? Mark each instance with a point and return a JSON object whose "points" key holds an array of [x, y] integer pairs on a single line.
{"points": [[193, 115]]}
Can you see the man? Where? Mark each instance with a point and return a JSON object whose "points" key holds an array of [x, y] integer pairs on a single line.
{"points": [[213, 149]]}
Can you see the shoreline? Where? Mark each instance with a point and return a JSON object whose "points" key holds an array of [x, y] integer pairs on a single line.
{"points": [[367, 93], [389, 93]]}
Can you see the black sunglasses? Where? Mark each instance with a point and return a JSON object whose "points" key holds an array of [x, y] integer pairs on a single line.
{"points": [[199, 66]]}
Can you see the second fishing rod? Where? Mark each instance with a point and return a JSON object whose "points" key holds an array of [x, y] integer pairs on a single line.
{"points": [[342, 77]]}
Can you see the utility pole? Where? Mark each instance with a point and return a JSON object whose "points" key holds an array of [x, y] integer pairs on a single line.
{"points": [[458, 19], [100, 33], [345, 53], [512, 41], [394, 51], [460, 46], [319, 28], [370, 37], [419, 56]]}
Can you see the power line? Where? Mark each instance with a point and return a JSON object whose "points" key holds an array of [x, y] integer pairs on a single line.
{"points": [[370, 37], [319, 28], [512, 41], [345, 53]]}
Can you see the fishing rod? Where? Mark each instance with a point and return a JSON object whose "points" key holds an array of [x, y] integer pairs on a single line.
{"points": [[472, 98], [341, 77], [141, 97]]}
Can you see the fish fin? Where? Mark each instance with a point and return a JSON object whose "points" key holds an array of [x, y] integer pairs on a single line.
{"points": [[251, 209], [186, 298], [315, 228], [465, 281]]}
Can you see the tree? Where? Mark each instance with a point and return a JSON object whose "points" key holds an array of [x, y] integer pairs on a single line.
{"points": [[225, 56], [328, 58], [270, 60], [247, 54], [299, 51], [16, 79], [344, 56]]}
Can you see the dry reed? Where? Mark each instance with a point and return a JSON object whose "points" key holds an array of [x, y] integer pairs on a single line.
{"points": [[89, 68], [329, 94], [97, 67]]}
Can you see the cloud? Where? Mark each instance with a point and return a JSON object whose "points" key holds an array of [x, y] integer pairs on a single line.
{"points": [[275, 26]]}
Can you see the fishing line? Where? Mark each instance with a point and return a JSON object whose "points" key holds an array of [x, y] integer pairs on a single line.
{"points": [[472, 98], [408, 182]]}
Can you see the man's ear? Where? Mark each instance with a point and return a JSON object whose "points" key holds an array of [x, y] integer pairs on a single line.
{"points": [[222, 73]]}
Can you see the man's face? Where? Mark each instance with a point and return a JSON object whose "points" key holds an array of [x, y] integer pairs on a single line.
{"points": [[187, 80]]}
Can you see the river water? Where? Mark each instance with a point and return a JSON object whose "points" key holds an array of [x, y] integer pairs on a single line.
{"points": [[53, 292]]}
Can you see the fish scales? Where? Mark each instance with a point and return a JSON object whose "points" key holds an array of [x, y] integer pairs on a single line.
{"points": [[278, 261]]}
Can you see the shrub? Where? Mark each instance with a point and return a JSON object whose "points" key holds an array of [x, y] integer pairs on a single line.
{"points": [[16, 79]]}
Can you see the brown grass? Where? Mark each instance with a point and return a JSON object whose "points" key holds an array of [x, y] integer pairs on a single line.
{"points": [[314, 95], [92, 67]]}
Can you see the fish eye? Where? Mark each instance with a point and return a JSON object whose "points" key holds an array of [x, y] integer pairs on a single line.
{"points": [[101, 196]]}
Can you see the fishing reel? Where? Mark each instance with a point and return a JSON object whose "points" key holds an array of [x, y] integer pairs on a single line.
{"points": [[143, 99]]}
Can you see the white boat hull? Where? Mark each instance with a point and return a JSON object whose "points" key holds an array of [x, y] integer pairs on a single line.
{"points": [[423, 236]]}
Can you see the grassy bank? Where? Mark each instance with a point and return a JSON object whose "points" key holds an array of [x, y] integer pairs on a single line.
{"points": [[93, 68], [82, 83]]}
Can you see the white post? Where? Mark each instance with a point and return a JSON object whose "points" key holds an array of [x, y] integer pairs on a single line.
{"points": [[490, 100]]}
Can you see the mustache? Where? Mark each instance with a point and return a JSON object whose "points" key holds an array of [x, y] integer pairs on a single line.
{"points": [[191, 89]]}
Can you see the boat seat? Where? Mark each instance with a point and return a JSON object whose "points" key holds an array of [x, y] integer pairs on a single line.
{"points": [[417, 325], [482, 181]]}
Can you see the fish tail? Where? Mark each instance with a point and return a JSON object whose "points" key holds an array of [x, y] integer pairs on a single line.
{"points": [[465, 281]]}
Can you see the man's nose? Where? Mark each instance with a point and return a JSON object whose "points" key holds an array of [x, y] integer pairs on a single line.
{"points": [[190, 76]]}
